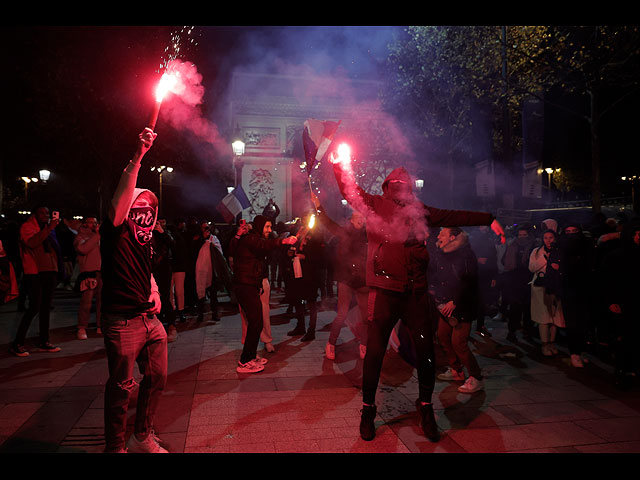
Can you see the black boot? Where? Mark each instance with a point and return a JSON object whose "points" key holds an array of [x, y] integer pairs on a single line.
{"points": [[200, 310], [367, 422], [299, 330], [428, 421], [310, 335]]}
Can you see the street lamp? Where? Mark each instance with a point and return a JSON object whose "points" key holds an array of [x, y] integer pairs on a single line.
{"points": [[635, 199], [27, 181], [44, 175], [237, 145], [160, 171], [550, 172]]}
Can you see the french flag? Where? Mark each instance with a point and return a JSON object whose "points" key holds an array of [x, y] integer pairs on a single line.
{"points": [[233, 204], [316, 139]]}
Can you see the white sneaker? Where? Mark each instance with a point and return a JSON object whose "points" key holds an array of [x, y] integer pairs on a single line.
{"points": [[471, 385], [249, 367], [451, 375], [148, 445], [82, 334], [363, 351], [172, 334], [576, 361], [330, 351]]}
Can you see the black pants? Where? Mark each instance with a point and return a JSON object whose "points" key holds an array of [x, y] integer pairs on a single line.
{"points": [[519, 314], [576, 317], [40, 288], [249, 300], [414, 310]]}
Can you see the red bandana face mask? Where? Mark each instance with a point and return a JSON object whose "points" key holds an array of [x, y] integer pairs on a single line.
{"points": [[143, 219]]}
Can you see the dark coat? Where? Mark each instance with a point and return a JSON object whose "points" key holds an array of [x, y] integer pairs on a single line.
{"points": [[306, 287], [249, 253], [351, 252], [453, 275], [397, 256]]}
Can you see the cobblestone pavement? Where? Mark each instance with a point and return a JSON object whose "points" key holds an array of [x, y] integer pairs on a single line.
{"points": [[303, 402]]}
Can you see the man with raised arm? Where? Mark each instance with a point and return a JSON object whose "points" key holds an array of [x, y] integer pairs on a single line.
{"points": [[130, 301], [396, 274]]}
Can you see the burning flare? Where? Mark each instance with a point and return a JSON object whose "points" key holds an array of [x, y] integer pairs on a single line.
{"points": [[344, 154], [168, 83]]}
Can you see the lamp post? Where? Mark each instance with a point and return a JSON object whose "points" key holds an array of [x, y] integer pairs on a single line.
{"points": [[44, 175], [550, 172], [237, 145], [160, 171], [27, 181], [635, 199]]}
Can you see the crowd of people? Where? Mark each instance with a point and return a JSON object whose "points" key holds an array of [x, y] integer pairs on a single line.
{"points": [[441, 273]]}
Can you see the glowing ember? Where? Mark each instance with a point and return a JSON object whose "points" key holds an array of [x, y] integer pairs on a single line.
{"points": [[312, 221]]}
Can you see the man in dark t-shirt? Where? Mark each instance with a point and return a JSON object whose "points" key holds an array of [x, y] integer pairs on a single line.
{"points": [[130, 301]]}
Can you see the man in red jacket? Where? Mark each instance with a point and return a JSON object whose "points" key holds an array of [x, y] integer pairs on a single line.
{"points": [[397, 258]]}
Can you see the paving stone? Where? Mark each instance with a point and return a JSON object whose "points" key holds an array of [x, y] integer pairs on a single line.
{"points": [[304, 403]]}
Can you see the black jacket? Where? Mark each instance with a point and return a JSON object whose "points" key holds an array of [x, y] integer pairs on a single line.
{"points": [[453, 275], [397, 256], [249, 253]]}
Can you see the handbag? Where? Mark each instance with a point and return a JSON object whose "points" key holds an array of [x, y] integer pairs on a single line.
{"points": [[539, 281]]}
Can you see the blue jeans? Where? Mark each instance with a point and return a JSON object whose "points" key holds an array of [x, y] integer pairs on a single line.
{"points": [[143, 340]]}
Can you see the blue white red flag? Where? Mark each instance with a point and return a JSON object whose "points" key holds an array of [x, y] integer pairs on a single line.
{"points": [[316, 139], [233, 204]]}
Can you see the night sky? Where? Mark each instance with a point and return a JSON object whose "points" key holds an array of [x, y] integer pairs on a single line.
{"points": [[76, 98]]}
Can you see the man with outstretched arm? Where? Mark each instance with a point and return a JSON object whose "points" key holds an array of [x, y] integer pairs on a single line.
{"points": [[130, 301], [396, 275]]}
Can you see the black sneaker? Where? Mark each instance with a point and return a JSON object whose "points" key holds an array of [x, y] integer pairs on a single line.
{"points": [[428, 421], [367, 422], [47, 347], [18, 351]]}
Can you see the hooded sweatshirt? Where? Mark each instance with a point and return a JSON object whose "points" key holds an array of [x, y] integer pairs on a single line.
{"points": [[126, 252], [249, 254], [397, 256]]}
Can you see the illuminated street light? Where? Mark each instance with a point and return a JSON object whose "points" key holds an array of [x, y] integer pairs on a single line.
{"points": [[237, 143], [160, 171], [27, 181], [44, 175], [550, 172]]}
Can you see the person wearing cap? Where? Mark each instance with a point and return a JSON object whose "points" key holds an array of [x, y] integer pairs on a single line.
{"points": [[396, 274]]}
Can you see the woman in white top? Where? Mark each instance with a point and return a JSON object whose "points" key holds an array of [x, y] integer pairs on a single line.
{"points": [[546, 309]]}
